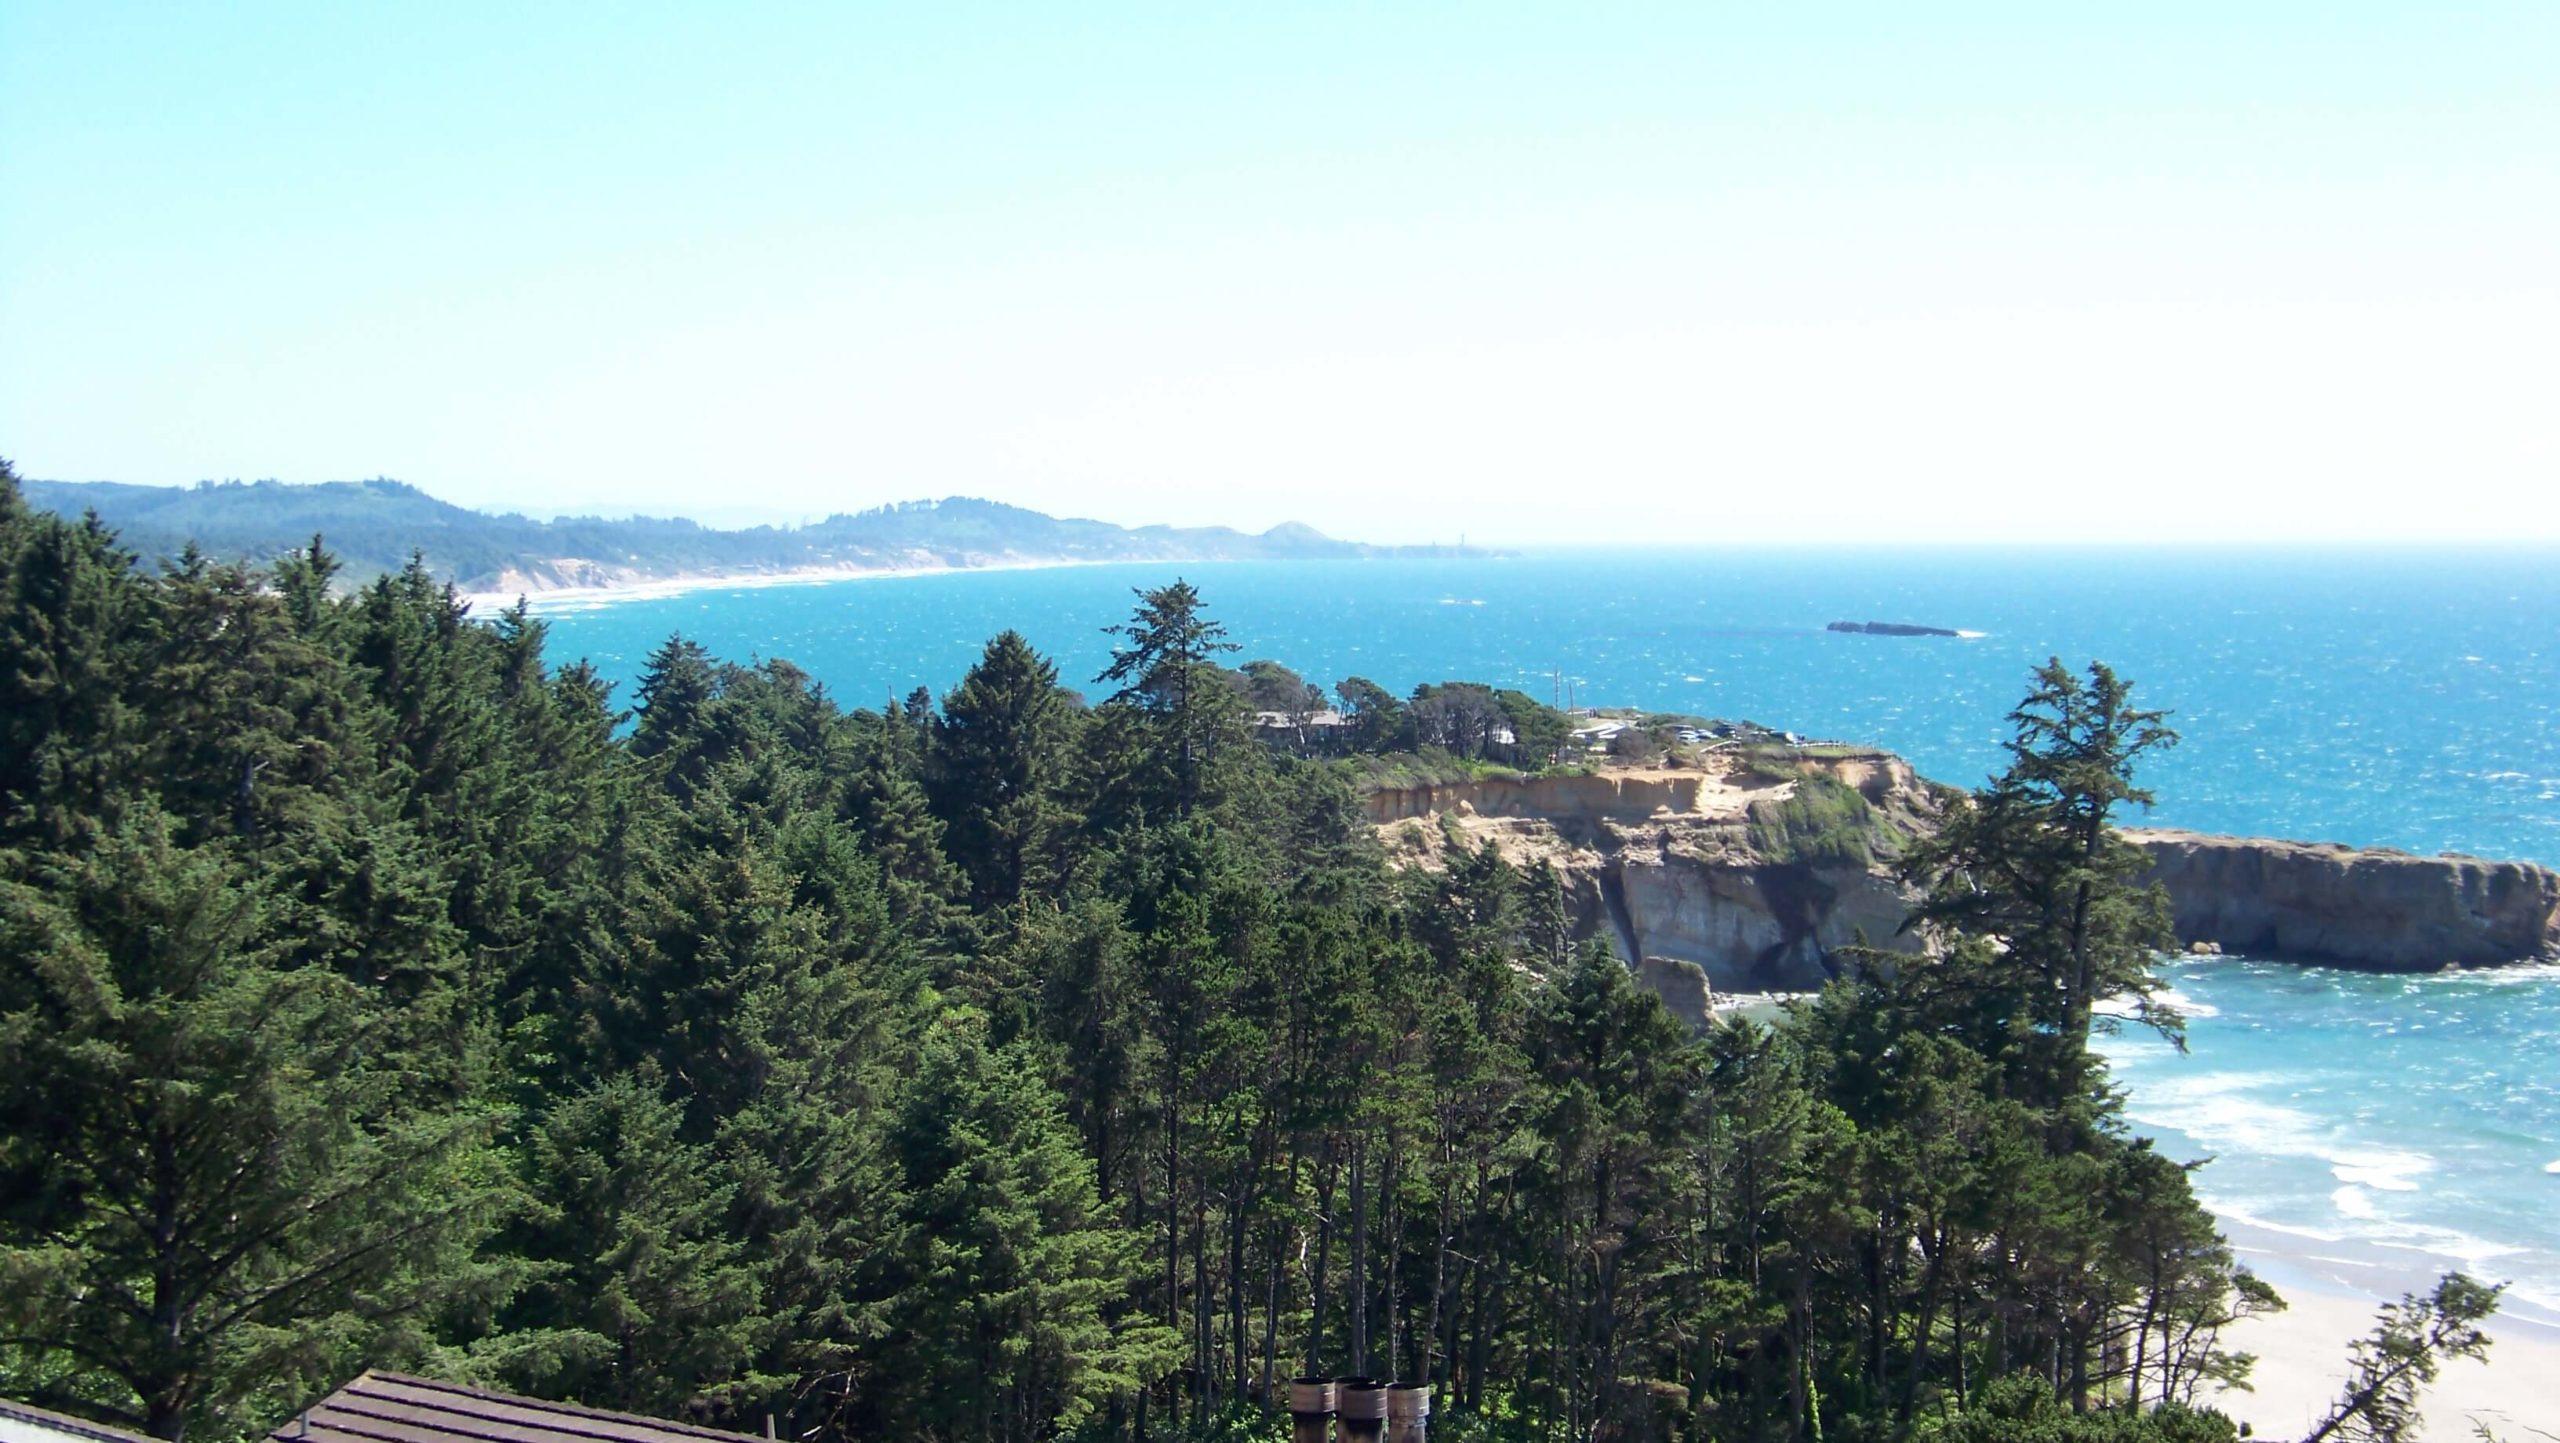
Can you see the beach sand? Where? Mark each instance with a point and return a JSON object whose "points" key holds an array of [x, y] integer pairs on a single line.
{"points": [[2332, 1292], [569, 598], [2302, 1361]]}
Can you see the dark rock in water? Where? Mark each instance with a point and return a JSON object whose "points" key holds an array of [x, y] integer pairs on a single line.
{"points": [[1890, 628]]}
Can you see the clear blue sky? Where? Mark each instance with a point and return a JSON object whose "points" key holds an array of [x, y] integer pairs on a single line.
{"points": [[1575, 273]]}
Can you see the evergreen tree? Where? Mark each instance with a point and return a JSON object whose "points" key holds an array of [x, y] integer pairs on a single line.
{"points": [[997, 757], [2034, 863], [1010, 1325], [219, 1196], [1165, 665], [71, 739], [648, 1302]]}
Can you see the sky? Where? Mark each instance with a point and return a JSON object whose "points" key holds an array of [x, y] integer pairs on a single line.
{"points": [[1576, 273]]}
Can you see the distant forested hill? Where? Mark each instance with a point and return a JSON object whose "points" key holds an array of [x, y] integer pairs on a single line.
{"points": [[373, 526]]}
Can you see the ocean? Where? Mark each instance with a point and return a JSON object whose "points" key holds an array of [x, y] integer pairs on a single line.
{"points": [[2381, 697]]}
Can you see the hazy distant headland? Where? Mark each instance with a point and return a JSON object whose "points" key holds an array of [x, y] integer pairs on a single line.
{"points": [[374, 526]]}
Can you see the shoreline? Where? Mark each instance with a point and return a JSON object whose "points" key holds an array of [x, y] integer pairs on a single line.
{"points": [[2333, 1289], [579, 598], [2332, 1298]]}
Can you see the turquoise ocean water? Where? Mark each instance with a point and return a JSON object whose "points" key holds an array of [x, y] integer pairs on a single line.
{"points": [[2406, 698]]}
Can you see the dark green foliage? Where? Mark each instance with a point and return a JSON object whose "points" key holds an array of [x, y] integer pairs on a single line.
{"points": [[219, 1193], [1376, 718], [2034, 864], [1271, 687], [1165, 665], [653, 1301], [1003, 1071], [1009, 1267], [1537, 728], [998, 766], [2021, 1408]]}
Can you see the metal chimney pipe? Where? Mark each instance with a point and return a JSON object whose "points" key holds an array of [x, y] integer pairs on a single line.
{"points": [[1311, 1404], [1408, 1412], [1361, 1414]]}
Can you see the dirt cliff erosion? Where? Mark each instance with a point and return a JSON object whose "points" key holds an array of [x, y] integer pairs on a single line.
{"points": [[1751, 873], [2316, 902], [1742, 876]]}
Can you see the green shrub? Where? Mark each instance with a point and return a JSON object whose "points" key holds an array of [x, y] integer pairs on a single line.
{"points": [[1430, 767], [1824, 823]]}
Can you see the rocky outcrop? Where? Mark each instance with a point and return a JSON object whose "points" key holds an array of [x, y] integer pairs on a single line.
{"points": [[1663, 865], [1683, 876], [1753, 926], [2317, 902], [1682, 986], [1889, 628]]}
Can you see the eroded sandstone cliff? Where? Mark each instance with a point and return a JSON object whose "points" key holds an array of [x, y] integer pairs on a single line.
{"points": [[1687, 873], [2316, 902], [1731, 879]]}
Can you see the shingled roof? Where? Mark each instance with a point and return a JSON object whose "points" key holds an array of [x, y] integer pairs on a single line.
{"points": [[26, 1423], [394, 1408]]}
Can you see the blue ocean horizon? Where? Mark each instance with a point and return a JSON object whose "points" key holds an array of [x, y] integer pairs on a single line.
{"points": [[2375, 696]]}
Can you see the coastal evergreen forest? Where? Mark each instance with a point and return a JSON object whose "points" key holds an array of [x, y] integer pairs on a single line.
{"points": [[378, 990]]}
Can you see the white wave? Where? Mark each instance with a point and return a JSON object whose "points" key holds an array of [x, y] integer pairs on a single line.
{"points": [[2539, 1299], [2218, 1111], [2125, 1008], [2380, 1168], [2504, 777], [2351, 1202], [2531, 974], [2188, 1005], [2224, 1208], [2472, 1252]]}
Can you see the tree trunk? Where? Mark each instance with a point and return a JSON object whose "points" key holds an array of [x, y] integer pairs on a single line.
{"points": [[1330, 1168], [1359, 1257]]}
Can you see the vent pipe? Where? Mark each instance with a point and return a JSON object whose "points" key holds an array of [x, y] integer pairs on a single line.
{"points": [[1362, 1410], [1408, 1412], [1311, 1404]]}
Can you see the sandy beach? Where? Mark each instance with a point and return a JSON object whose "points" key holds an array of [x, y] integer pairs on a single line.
{"points": [[2332, 1292], [569, 598]]}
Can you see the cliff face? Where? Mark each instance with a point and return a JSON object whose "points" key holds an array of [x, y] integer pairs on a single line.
{"points": [[1756, 927], [1691, 878], [2310, 902], [1664, 866]]}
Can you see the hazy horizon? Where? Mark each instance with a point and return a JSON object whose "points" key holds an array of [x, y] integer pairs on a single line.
{"points": [[2180, 274]]}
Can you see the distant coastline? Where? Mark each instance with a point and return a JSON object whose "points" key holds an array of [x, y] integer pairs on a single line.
{"points": [[545, 594], [374, 528]]}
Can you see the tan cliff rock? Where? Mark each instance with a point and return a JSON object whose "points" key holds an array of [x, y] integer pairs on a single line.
{"points": [[1662, 864], [2356, 907], [1671, 867]]}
